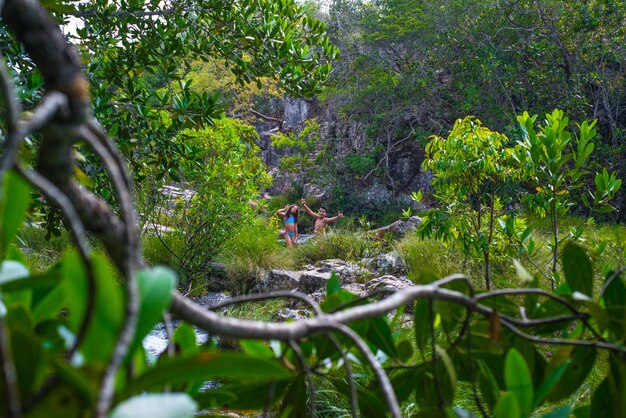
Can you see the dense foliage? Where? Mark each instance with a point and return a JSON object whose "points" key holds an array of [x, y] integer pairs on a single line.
{"points": [[410, 69], [71, 336]]}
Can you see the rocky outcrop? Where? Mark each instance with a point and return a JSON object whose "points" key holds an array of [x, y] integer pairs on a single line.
{"points": [[384, 272]]}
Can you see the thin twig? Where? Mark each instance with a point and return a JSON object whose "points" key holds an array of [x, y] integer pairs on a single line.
{"points": [[55, 195], [13, 115], [379, 372], [258, 297], [269, 400], [576, 313]]}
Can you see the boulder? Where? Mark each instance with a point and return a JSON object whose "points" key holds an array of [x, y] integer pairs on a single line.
{"points": [[310, 281], [388, 282], [389, 263], [347, 272], [278, 280]]}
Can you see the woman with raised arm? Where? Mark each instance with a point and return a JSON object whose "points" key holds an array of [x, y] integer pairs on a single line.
{"points": [[290, 215]]}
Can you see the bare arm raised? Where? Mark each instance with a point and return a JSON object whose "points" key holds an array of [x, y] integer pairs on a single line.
{"points": [[334, 218], [309, 211]]}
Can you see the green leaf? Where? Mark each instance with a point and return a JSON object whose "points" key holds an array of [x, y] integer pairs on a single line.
{"points": [[405, 350], [210, 365], [582, 359], [614, 295], [108, 312], [519, 381], [334, 284], [155, 287], [15, 201], [161, 405], [34, 281], [577, 269], [185, 339], [256, 348], [507, 407], [550, 381], [295, 400], [241, 395], [379, 334]]}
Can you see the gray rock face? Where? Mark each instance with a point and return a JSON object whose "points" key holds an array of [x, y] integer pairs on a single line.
{"points": [[310, 281], [296, 112], [388, 282], [390, 263], [278, 280]]}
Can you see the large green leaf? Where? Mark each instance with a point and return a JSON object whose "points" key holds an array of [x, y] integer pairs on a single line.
{"points": [[582, 359], [210, 365], [155, 287], [241, 395], [507, 407], [106, 320], [578, 270], [162, 405], [379, 334], [371, 401], [614, 295], [295, 400], [15, 201], [550, 381], [519, 381]]}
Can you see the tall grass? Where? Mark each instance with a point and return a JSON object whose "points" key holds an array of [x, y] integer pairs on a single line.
{"points": [[251, 252], [41, 253], [341, 244], [161, 250]]}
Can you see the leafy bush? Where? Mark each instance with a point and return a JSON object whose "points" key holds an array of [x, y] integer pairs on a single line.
{"points": [[221, 168]]}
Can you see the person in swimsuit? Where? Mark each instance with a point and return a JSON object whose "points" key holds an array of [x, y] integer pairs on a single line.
{"points": [[290, 215], [321, 220]]}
